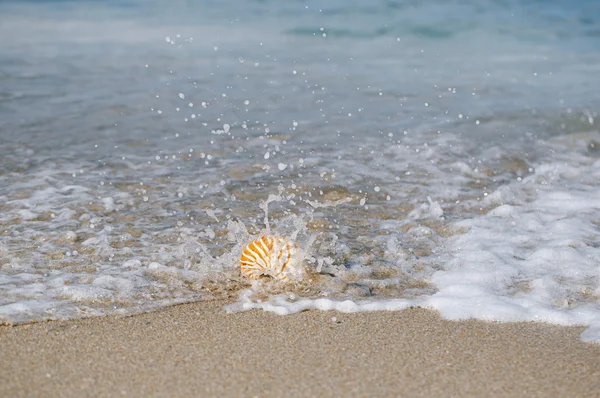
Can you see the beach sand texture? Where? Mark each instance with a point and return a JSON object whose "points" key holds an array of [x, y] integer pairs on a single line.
{"points": [[198, 350]]}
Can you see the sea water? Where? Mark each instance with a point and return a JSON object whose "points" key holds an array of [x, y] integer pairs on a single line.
{"points": [[442, 154]]}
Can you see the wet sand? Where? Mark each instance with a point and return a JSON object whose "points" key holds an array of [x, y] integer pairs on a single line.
{"points": [[196, 350]]}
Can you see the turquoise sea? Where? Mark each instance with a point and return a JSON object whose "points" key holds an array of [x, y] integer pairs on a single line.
{"points": [[443, 154]]}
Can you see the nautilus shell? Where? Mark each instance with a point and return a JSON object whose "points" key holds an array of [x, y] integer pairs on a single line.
{"points": [[268, 255]]}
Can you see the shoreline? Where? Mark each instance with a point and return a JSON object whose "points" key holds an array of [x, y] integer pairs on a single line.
{"points": [[198, 349]]}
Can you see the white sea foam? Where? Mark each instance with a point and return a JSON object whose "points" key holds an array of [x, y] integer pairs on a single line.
{"points": [[538, 261]]}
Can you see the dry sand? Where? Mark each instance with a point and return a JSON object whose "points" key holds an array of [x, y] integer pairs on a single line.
{"points": [[197, 350]]}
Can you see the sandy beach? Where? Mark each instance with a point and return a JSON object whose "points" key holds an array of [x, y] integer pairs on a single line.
{"points": [[200, 350]]}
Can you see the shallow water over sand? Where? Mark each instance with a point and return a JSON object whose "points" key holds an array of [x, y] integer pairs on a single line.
{"points": [[456, 168]]}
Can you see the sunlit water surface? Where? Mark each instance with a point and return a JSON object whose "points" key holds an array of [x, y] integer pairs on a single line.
{"points": [[445, 155]]}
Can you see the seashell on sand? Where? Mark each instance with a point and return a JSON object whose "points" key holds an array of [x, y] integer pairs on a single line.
{"points": [[267, 256]]}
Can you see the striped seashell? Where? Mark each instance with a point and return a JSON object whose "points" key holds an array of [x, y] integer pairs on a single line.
{"points": [[268, 255]]}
